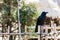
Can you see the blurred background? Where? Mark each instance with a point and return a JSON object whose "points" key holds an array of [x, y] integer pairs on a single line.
{"points": [[29, 11]]}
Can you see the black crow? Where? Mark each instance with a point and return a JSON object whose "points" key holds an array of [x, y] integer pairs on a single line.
{"points": [[40, 20]]}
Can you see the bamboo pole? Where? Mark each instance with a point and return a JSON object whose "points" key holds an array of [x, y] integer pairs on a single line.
{"points": [[52, 28], [46, 31], [55, 32], [25, 32], [8, 32], [39, 32], [19, 20]]}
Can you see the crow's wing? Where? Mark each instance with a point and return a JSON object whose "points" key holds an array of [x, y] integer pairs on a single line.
{"points": [[40, 21]]}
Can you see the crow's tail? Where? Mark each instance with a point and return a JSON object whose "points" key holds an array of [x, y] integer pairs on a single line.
{"points": [[36, 28]]}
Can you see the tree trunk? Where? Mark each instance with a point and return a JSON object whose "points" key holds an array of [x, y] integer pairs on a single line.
{"points": [[22, 28]]}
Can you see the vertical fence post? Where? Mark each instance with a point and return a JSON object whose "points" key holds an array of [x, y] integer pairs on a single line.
{"points": [[46, 31], [55, 32], [19, 19], [39, 32], [25, 32], [52, 28], [8, 32]]}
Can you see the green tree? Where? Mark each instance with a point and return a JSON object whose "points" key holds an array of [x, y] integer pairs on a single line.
{"points": [[28, 14], [7, 14]]}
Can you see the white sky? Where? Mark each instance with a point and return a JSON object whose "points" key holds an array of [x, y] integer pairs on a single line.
{"points": [[53, 7], [27, 1]]}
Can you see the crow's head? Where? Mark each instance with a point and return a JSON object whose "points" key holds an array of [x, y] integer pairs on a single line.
{"points": [[44, 13]]}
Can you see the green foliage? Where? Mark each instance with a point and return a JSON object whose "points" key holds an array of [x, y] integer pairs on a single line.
{"points": [[28, 14]]}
